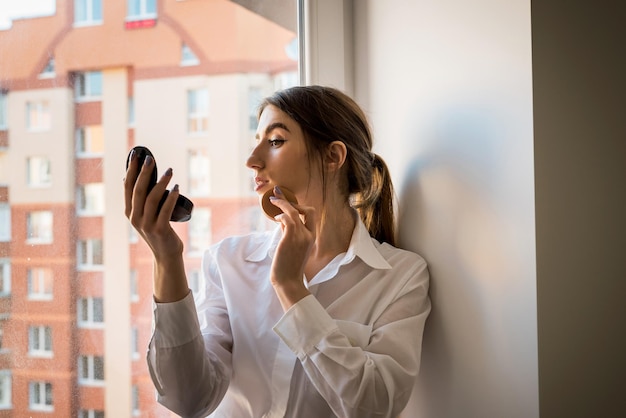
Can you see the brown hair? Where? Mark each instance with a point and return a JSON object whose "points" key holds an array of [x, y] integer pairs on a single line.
{"points": [[325, 115]]}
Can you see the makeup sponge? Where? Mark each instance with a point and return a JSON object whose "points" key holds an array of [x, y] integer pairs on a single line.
{"points": [[272, 210]]}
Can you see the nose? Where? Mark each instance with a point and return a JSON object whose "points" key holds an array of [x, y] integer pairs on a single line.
{"points": [[254, 160]]}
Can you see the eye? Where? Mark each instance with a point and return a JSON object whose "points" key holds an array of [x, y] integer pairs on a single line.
{"points": [[276, 142]]}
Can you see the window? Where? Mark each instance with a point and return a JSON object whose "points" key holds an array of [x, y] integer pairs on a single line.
{"points": [[90, 312], [131, 112], [38, 173], [199, 166], [199, 231], [89, 254], [90, 370], [89, 141], [5, 222], [255, 95], [135, 400], [3, 319], [134, 286], [90, 199], [187, 57], [87, 12], [88, 86], [39, 283], [48, 70], [3, 110], [193, 277], [5, 276], [90, 413], [40, 341], [141, 9], [134, 343], [39, 227], [38, 116], [40, 396], [5, 389], [198, 111]]}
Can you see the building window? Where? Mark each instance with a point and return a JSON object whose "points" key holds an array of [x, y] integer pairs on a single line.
{"points": [[40, 396], [198, 111], [5, 222], [194, 280], [38, 116], [255, 95], [48, 71], [199, 166], [39, 283], [131, 112], [135, 400], [5, 277], [39, 227], [187, 57], [38, 172], [199, 231], [90, 199], [134, 286], [91, 370], [88, 86], [89, 254], [89, 141], [90, 413], [5, 389], [141, 9], [3, 111], [40, 341], [90, 312], [134, 343], [87, 12]]}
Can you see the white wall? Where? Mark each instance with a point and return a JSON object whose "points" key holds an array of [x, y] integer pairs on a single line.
{"points": [[448, 86]]}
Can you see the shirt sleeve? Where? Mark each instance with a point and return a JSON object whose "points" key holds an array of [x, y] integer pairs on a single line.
{"points": [[191, 368], [362, 376]]}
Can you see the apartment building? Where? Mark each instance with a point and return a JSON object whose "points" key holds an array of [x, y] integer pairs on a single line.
{"points": [[78, 89]]}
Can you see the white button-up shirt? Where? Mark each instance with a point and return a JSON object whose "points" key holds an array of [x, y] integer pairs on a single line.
{"points": [[350, 349]]}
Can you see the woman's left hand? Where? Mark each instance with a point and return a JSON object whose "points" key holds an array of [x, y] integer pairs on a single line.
{"points": [[287, 273]]}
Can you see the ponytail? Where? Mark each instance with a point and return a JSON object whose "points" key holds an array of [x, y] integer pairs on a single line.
{"points": [[375, 205]]}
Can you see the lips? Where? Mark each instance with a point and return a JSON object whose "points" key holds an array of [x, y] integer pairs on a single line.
{"points": [[259, 183]]}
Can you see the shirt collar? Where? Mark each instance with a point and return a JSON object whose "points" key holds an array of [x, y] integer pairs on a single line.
{"points": [[362, 245]]}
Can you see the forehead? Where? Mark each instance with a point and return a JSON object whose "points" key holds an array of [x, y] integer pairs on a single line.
{"points": [[272, 118]]}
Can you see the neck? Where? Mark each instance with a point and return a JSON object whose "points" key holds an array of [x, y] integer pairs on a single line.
{"points": [[334, 232]]}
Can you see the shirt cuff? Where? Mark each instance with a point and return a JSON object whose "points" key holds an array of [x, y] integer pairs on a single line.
{"points": [[304, 325], [175, 323]]}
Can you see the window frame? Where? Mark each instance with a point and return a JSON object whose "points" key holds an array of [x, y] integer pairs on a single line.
{"points": [[38, 172], [84, 86], [89, 255], [89, 9], [5, 222], [88, 201], [142, 14], [40, 341], [90, 321], [40, 275], [5, 277], [198, 115], [40, 239], [90, 379], [42, 112], [4, 110], [42, 388]]}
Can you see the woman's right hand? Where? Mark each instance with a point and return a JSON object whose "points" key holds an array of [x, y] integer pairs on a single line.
{"points": [[141, 208]]}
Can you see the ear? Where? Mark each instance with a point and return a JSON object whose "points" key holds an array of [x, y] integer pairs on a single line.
{"points": [[336, 154]]}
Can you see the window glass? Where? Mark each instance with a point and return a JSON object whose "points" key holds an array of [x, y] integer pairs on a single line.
{"points": [[3, 110], [198, 111], [38, 172], [38, 117], [39, 227], [183, 79]]}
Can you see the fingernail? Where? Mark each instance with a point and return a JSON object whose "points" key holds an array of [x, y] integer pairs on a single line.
{"points": [[133, 154], [148, 160], [175, 188], [277, 190], [273, 198], [168, 172]]}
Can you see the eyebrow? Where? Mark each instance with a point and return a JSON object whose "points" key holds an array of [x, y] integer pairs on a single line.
{"points": [[272, 126]]}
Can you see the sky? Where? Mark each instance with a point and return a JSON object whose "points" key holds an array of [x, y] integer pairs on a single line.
{"points": [[12, 9]]}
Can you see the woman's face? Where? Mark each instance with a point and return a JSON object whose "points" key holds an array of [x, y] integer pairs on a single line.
{"points": [[280, 157]]}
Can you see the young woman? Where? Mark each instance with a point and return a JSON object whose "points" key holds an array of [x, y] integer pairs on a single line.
{"points": [[322, 317]]}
